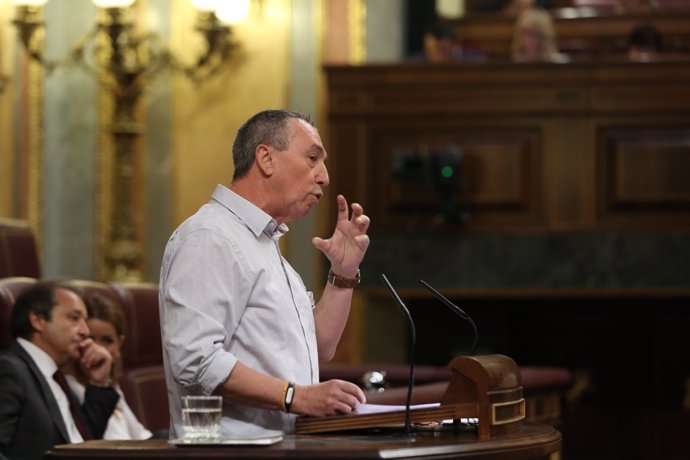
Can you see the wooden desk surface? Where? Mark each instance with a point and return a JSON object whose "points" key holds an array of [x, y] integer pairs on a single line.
{"points": [[530, 442]]}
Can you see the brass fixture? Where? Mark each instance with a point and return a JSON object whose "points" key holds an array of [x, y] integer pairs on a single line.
{"points": [[123, 63]]}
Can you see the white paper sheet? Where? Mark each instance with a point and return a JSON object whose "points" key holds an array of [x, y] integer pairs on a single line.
{"points": [[381, 408]]}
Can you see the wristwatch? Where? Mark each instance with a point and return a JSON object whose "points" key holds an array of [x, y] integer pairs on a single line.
{"points": [[341, 282]]}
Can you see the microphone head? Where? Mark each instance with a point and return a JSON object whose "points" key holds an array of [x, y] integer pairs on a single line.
{"points": [[395, 295], [457, 310]]}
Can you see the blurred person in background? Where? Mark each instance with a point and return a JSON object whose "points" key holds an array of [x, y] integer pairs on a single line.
{"points": [[534, 38], [107, 325], [442, 44], [644, 43]]}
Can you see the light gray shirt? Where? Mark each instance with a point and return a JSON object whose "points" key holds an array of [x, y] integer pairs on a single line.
{"points": [[227, 294]]}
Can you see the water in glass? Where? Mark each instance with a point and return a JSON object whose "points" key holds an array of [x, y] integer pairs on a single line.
{"points": [[201, 417]]}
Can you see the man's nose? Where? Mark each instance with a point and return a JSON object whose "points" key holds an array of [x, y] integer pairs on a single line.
{"points": [[322, 177], [84, 328]]}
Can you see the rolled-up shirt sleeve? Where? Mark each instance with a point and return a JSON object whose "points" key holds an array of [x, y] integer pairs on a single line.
{"points": [[202, 301]]}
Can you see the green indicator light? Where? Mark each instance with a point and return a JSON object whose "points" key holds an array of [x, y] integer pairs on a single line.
{"points": [[447, 172]]}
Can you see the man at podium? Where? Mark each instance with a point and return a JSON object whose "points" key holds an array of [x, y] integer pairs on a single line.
{"points": [[236, 318]]}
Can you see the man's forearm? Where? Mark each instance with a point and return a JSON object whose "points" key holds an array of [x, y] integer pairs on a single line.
{"points": [[330, 317]]}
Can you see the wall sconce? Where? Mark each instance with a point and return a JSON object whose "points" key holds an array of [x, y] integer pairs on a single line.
{"points": [[123, 62]]}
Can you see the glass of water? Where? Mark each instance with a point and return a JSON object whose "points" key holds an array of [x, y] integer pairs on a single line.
{"points": [[201, 417]]}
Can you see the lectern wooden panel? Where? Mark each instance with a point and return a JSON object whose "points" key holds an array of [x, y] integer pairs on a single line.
{"points": [[486, 387]]}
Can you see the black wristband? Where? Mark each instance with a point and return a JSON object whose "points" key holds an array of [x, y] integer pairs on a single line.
{"points": [[289, 396]]}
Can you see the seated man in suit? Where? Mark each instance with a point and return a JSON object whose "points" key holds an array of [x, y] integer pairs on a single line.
{"points": [[48, 323]]}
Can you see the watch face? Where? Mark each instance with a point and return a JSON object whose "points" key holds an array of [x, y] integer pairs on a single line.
{"points": [[289, 395]]}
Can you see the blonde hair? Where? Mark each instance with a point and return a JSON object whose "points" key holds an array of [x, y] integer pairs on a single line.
{"points": [[536, 21]]}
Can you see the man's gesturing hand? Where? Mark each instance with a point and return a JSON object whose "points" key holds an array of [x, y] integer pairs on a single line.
{"points": [[345, 249]]}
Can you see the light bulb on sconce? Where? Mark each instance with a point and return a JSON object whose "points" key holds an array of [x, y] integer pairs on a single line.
{"points": [[204, 5], [228, 12], [34, 3], [113, 3], [233, 12]]}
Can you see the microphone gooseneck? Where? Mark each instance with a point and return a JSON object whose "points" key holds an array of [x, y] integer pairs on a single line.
{"points": [[457, 310], [410, 382]]}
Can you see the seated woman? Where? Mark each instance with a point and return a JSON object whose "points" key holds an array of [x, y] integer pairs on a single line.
{"points": [[107, 325], [534, 38], [644, 43]]}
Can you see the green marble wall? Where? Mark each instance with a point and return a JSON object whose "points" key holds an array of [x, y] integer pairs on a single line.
{"points": [[587, 260]]}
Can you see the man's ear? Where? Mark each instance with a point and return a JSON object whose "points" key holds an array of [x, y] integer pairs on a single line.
{"points": [[264, 159], [37, 321]]}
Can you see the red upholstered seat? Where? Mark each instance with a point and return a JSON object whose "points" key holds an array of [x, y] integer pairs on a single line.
{"points": [[97, 287], [140, 303], [539, 379], [147, 396], [18, 254], [9, 290], [144, 380]]}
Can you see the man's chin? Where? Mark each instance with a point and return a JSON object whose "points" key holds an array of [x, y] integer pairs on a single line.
{"points": [[306, 212], [75, 352], [299, 214]]}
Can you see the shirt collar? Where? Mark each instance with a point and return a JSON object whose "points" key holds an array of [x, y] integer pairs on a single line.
{"points": [[253, 217], [43, 361]]}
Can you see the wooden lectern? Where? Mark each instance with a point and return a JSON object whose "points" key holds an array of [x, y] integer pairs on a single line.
{"points": [[487, 388]]}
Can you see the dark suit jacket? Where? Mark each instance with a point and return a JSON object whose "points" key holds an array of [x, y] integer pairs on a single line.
{"points": [[30, 420]]}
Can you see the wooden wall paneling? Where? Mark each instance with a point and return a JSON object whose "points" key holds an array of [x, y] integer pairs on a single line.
{"points": [[499, 176], [346, 164], [644, 171], [640, 89], [529, 135], [568, 169]]}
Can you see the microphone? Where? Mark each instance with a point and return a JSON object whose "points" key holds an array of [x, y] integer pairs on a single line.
{"points": [[457, 310], [410, 382]]}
